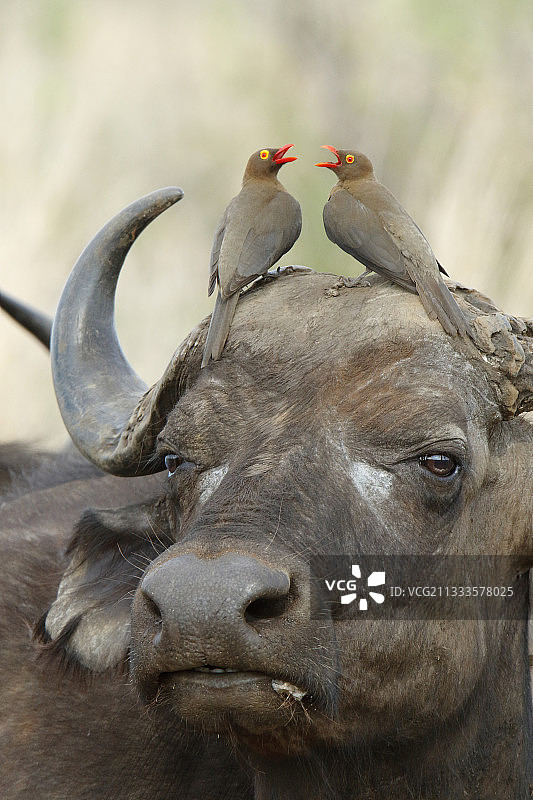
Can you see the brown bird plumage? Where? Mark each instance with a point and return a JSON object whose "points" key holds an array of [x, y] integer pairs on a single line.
{"points": [[259, 225], [363, 218]]}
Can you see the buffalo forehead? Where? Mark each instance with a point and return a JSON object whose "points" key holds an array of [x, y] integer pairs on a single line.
{"points": [[309, 314], [409, 389], [306, 357], [370, 351]]}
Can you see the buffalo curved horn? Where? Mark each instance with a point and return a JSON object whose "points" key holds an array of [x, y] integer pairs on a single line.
{"points": [[109, 412], [40, 325]]}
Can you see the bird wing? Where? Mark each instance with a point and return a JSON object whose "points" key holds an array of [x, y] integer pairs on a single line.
{"points": [[383, 237], [274, 229], [408, 238], [424, 270], [359, 231], [215, 253]]}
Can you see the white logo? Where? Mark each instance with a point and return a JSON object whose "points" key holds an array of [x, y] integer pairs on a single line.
{"points": [[350, 586]]}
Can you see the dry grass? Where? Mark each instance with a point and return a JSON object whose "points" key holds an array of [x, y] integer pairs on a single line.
{"points": [[104, 101]]}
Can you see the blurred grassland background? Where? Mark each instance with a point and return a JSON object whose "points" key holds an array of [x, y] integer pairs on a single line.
{"points": [[103, 101]]}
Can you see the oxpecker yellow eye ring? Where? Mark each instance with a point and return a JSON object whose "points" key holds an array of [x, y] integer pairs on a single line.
{"points": [[350, 159], [264, 154]]}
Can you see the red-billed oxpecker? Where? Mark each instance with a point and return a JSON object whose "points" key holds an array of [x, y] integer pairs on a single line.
{"points": [[364, 218], [257, 228]]}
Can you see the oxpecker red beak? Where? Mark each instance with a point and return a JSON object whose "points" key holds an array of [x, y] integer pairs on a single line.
{"points": [[277, 158], [330, 164]]}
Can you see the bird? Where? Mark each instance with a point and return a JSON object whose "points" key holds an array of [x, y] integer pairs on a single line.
{"points": [[257, 228], [366, 220]]}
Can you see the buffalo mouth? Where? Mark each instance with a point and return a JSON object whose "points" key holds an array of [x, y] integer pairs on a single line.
{"points": [[219, 698], [283, 688]]}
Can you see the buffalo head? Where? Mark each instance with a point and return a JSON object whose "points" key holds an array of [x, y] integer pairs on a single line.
{"points": [[338, 420]]}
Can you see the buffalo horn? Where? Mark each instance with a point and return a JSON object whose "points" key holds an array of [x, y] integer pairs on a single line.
{"points": [[109, 412], [34, 321]]}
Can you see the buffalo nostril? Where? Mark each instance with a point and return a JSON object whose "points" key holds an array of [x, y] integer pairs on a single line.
{"points": [[266, 608], [153, 610], [155, 618]]}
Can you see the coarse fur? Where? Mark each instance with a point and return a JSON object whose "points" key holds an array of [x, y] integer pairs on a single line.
{"points": [[318, 390], [65, 733]]}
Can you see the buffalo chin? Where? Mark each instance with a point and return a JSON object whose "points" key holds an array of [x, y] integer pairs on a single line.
{"points": [[241, 703]]}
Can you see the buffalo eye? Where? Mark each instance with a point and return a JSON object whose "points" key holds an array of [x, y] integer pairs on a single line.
{"points": [[172, 462], [175, 463], [440, 465]]}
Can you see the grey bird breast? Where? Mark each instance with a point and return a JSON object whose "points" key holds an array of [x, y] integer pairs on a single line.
{"points": [[359, 231], [254, 235]]}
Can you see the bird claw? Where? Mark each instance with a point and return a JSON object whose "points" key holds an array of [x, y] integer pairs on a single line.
{"points": [[275, 273], [291, 269], [361, 280], [350, 283], [268, 276]]}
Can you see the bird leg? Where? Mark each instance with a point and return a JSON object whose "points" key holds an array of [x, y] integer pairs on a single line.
{"points": [[360, 280]]}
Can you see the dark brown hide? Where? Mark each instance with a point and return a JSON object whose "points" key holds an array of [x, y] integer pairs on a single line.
{"points": [[63, 733], [337, 421], [309, 436]]}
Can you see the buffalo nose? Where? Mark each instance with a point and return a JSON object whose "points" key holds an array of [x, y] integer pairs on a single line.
{"points": [[221, 602]]}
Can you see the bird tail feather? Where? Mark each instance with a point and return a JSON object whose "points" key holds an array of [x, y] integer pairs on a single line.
{"points": [[221, 320], [440, 304]]}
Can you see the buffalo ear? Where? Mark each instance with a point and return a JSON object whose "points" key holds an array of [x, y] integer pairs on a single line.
{"points": [[89, 622]]}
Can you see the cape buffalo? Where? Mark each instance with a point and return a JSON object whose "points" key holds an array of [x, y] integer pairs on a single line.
{"points": [[339, 422]]}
